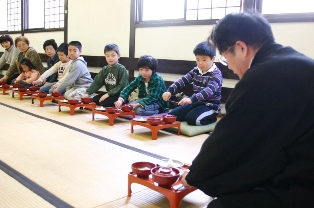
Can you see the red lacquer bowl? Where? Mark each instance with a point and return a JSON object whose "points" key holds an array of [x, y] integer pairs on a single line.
{"points": [[127, 108], [15, 85], [56, 94], [42, 95], [5, 86], [86, 100], [154, 120], [73, 102], [22, 89], [165, 176], [111, 110], [33, 88], [169, 119], [142, 169]]}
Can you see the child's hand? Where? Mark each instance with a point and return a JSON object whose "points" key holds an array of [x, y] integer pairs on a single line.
{"points": [[166, 96], [118, 103], [185, 101], [54, 86], [37, 82], [85, 96], [104, 97]]}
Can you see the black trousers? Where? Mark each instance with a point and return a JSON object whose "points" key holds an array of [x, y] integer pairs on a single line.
{"points": [[260, 198], [109, 102]]}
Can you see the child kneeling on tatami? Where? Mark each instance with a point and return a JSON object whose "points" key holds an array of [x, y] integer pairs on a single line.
{"points": [[204, 105], [113, 76], [150, 85], [78, 78]]}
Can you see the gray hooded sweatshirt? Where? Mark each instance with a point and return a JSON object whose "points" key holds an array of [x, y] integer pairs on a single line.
{"points": [[78, 76]]}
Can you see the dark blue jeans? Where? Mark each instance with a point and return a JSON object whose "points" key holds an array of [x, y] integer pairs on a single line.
{"points": [[147, 110], [24, 84], [197, 114]]}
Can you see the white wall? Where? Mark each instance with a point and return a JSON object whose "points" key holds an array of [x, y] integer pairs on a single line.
{"points": [[99, 22], [298, 35], [178, 42], [37, 39], [96, 23]]}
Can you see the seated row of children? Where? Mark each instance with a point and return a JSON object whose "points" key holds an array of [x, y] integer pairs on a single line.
{"points": [[68, 73]]}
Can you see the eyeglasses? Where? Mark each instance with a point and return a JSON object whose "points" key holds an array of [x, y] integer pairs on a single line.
{"points": [[222, 59]]}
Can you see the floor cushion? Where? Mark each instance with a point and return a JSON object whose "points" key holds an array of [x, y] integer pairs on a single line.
{"points": [[189, 130]]}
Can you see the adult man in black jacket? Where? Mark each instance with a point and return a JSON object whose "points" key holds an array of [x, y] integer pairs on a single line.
{"points": [[261, 153]]}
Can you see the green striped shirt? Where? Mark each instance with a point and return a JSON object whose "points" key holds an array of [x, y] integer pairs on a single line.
{"points": [[156, 87]]}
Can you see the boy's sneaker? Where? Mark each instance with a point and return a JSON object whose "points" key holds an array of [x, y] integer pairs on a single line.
{"points": [[54, 101]]}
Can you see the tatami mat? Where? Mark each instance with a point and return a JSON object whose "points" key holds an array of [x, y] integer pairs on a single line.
{"points": [[13, 194], [83, 162]]}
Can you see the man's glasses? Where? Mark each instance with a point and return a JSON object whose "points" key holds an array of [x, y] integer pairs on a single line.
{"points": [[222, 59]]}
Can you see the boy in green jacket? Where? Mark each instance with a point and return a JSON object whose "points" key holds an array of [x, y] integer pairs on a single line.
{"points": [[113, 76], [150, 87]]}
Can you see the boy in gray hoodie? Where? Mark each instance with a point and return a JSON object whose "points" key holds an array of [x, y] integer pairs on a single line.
{"points": [[78, 78]]}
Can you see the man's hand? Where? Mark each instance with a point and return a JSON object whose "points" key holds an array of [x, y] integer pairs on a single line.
{"points": [[185, 184]]}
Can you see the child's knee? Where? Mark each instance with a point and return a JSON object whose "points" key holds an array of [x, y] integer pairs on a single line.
{"points": [[139, 111]]}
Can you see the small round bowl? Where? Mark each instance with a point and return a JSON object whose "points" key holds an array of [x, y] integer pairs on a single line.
{"points": [[111, 110], [33, 88], [142, 169], [169, 119], [127, 108], [86, 100], [165, 176], [42, 95], [56, 94], [154, 120], [16, 85], [5, 86], [21, 89], [73, 102]]}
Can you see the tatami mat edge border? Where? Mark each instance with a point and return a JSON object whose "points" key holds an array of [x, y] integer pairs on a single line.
{"points": [[34, 187]]}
